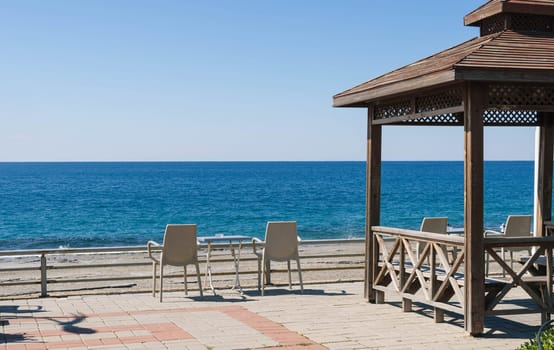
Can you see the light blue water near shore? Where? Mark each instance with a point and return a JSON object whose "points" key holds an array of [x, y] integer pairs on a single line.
{"points": [[47, 205]]}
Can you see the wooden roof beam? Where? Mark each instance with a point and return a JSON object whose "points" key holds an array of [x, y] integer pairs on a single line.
{"points": [[363, 98], [504, 75]]}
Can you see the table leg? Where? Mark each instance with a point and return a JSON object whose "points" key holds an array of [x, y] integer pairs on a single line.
{"points": [[208, 276], [236, 261]]}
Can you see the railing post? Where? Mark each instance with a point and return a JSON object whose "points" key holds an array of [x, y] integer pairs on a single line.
{"points": [[43, 277], [548, 297], [406, 303]]}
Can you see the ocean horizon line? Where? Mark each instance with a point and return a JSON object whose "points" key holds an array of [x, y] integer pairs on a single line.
{"points": [[247, 161]]}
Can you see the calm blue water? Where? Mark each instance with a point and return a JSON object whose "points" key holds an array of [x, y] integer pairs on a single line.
{"points": [[47, 205]]}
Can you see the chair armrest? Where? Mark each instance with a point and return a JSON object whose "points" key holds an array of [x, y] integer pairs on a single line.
{"points": [[149, 246], [493, 233], [299, 239], [254, 241]]}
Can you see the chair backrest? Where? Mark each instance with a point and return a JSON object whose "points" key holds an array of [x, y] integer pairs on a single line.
{"points": [[434, 225], [180, 245], [518, 226], [281, 240]]}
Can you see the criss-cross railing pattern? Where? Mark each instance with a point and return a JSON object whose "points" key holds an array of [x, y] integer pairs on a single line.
{"points": [[533, 274], [416, 265]]}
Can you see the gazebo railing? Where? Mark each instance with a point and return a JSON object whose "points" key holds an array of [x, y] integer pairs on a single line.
{"points": [[416, 266], [537, 284]]}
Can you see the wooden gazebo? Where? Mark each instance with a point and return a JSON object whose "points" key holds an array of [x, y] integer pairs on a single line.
{"points": [[505, 77]]}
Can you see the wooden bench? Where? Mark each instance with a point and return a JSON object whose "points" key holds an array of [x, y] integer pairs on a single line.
{"points": [[538, 268], [442, 290]]}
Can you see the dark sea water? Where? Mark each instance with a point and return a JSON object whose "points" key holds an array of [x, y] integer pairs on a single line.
{"points": [[48, 205]]}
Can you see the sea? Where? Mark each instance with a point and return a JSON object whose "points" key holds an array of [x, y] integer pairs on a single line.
{"points": [[98, 204]]}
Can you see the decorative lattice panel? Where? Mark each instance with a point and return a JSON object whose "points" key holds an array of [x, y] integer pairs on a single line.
{"points": [[493, 24], [508, 104], [443, 119], [520, 96], [394, 109], [531, 23], [499, 117], [441, 100], [520, 22]]}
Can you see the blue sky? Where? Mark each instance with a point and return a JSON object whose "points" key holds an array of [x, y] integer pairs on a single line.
{"points": [[218, 80]]}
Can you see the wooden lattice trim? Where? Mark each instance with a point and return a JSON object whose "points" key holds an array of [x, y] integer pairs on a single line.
{"points": [[496, 117], [440, 100], [441, 104], [441, 119], [507, 105], [521, 97], [521, 22], [531, 23], [494, 24], [393, 109], [492, 117]]}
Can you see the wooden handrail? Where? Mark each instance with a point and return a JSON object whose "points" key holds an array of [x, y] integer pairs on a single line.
{"points": [[547, 241], [420, 236]]}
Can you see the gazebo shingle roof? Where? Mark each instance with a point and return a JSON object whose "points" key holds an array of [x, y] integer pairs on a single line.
{"points": [[516, 44], [494, 7], [506, 50], [514, 50]]}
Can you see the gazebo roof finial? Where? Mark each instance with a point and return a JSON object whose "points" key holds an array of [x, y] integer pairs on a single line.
{"points": [[519, 15]]}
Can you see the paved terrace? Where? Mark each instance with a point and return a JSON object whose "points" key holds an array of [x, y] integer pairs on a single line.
{"points": [[326, 316]]}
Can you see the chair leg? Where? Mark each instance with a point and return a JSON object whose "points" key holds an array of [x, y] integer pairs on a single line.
{"points": [[161, 281], [263, 273], [185, 278], [288, 267], [487, 257], [454, 254], [503, 259], [259, 271], [267, 279], [300, 275], [199, 279], [154, 279]]}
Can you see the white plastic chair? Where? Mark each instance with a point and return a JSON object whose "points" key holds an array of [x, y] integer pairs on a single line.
{"points": [[180, 248], [516, 226], [281, 244], [434, 225]]}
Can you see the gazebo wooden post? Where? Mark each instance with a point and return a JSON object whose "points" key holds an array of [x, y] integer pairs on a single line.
{"points": [[543, 205], [544, 180], [474, 311], [373, 202]]}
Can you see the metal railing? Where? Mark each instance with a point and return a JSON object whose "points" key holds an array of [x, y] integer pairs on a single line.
{"points": [[321, 260]]}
